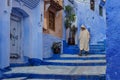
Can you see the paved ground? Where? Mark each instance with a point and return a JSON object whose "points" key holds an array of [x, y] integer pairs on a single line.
{"points": [[67, 67]]}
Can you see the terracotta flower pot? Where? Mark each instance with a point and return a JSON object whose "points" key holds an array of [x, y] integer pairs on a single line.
{"points": [[56, 50]]}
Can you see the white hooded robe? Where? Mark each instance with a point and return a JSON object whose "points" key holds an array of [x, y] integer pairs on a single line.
{"points": [[84, 40]]}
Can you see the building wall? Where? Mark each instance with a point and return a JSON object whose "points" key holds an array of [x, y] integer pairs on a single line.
{"points": [[31, 31], [113, 39], [1, 74], [58, 25], [4, 33], [47, 44], [58, 22], [95, 23], [50, 36]]}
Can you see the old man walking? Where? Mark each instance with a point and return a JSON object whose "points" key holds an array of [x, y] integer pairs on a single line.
{"points": [[84, 40]]}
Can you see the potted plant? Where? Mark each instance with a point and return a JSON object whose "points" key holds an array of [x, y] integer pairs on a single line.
{"points": [[69, 19], [70, 16], [56, 47], [68, 12]]}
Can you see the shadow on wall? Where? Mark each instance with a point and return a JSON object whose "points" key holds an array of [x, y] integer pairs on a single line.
{"points": [[19, 12]]}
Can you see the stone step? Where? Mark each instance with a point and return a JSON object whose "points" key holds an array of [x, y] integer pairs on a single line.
{"points": [[97, 52], [71, 49], [97, 46], [56, 72], [100, 48], [101, 42], [74, 64], [75, 60], [71, 52], [54, 77], [76, 56], [64, 67], [93, 49]]}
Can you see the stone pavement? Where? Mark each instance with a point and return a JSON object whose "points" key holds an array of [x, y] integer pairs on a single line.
{"points": [[65, 67]]}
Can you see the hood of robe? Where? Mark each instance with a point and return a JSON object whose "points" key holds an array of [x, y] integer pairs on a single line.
{"points": [[83, 26]]}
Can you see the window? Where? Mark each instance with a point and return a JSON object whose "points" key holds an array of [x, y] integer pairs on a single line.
{"points": [[100, 10], [51, 20], [71, 1], [8, 2], [92, 5]]}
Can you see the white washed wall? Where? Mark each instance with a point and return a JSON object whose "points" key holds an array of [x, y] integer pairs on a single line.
{"points": [[93, 21], [47, 44], [32, 31]]}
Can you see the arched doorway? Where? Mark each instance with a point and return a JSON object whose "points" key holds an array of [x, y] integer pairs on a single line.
{"points": [[16, 34]]}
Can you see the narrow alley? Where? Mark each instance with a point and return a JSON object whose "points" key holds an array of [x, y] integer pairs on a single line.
{"points": [[59, 40]]}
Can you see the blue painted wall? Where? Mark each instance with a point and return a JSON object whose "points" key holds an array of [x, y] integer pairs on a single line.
{"points": [[48, 40], [113, 39], [0, 74], [31, 31], [4, 33], [93, 21]]}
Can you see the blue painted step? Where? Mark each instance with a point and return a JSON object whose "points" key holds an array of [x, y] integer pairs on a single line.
{"points": [[78, 77], [54, 77], [98, 48], [60, 76], [71, 49], [94, 49], [64, 43], [101, 42], [96, 52]]}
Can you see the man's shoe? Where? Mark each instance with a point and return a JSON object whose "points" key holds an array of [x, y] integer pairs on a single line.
{"points": [[80, 54], [86, 54]]}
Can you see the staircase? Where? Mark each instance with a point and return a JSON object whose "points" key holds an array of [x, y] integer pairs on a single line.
{"points": [[67, 66], [70, 49], [63, 67], [98, 48]]}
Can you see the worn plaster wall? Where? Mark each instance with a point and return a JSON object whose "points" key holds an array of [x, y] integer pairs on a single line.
{"points": [[58, 21], [4, 33], [48, 40], [50, 36], [31, 31], [95, 23], [113, 40]]}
